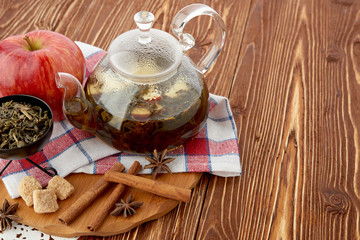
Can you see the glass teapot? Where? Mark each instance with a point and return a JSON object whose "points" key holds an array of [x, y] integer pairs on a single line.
{"points": [[146, 93]]}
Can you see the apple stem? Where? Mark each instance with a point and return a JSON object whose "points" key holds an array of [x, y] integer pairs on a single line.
{"points": [[27, 39]]}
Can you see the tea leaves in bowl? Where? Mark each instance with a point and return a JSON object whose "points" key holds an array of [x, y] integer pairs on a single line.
{"points": [[21, 124]]}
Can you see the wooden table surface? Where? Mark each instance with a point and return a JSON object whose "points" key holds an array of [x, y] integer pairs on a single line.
{"points": [[291, 70]]}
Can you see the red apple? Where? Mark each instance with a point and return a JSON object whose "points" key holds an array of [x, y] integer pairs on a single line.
{"points": [[28, 66]]}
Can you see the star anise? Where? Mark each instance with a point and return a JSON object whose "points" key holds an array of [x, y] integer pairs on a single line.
{"points": [[7, 214], [127, 208], [158, 162]]}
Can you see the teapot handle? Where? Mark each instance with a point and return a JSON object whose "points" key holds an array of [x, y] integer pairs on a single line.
{"points": [[187, 41]]}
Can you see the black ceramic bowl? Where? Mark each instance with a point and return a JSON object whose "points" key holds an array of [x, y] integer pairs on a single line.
{"points": [[32, 148]]}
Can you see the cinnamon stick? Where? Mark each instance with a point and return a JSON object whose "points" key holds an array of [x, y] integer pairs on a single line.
{"points": [[104, 211], [153, 186], [88, 197]]}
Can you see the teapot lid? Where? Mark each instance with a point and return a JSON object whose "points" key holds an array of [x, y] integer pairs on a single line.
{"points": [[145, 55]]}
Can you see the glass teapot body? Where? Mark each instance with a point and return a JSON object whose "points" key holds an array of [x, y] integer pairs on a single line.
{"points": [[142, 117], [146, 93]]}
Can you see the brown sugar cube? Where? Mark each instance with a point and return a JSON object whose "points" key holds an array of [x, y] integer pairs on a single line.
{"points": [[45, 201], [62, 188], [26, 187]]}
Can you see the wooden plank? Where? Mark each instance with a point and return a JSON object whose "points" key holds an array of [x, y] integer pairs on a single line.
{"points": [[295, 98], [18, 17]]}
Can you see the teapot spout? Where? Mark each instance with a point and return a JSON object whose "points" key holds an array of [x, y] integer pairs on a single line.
{"points": [[76, 107]]}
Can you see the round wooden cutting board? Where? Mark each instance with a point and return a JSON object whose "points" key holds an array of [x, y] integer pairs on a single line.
{"points": [[154, 207]]}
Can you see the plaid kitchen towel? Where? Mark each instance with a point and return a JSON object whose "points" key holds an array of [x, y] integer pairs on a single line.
{"points": [[214, 150]]}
